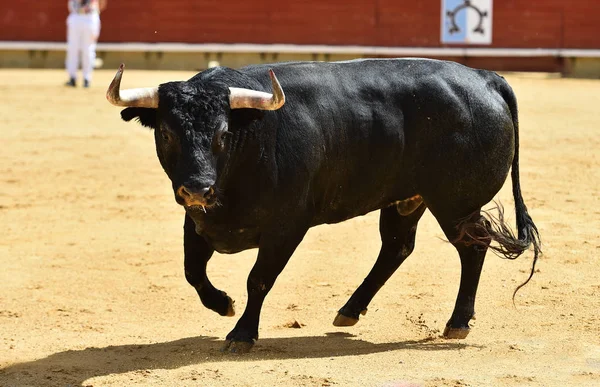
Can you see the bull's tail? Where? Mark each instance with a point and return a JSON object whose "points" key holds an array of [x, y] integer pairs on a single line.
{"points": [[495, 229], [527, 231]]}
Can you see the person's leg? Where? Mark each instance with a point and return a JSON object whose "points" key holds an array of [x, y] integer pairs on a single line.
{"points": [[92, 30], [72, 50]]}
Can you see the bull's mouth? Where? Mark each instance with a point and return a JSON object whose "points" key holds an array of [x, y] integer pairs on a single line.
{"points": [[202, 207], [197, 208]]}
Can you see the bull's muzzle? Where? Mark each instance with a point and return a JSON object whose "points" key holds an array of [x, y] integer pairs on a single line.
{"points": [[191, 197]]}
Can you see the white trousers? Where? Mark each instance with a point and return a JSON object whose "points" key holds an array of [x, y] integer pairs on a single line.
{"points": [[82, 34]]}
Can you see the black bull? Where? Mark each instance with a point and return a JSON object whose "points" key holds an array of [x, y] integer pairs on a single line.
{"points": [[398, 135]]}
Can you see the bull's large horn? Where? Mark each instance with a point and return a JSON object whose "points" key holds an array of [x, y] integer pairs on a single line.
{"points": [[252, 99], [146, 97]]}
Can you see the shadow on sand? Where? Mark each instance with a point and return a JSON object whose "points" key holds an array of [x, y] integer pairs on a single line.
{"points": [[74, 367]]}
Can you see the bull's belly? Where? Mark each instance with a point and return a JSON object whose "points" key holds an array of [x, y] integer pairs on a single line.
{"points": [[229, 236], [331, 215], [343, 204]]}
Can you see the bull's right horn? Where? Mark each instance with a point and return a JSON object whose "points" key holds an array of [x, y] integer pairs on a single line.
{"points": [[145, 97]]}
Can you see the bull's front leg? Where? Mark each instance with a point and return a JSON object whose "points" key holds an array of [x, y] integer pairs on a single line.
{"points": [[197, 252], [275, 250]]}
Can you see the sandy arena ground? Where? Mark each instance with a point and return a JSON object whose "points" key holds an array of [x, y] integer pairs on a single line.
{"points": [[92, 290]]}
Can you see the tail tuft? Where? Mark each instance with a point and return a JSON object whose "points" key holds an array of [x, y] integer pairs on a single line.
{"points": [[495, 234]]}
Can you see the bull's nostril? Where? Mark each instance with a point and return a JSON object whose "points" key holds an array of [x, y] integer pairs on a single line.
{"points": [[208, 192], [183, 192]]}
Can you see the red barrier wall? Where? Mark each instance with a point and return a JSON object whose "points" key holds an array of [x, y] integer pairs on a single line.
{"points": [[516, 23]]}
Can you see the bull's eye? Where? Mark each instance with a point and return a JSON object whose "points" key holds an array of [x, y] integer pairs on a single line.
{"points": [[165, 136], [218, 144]]}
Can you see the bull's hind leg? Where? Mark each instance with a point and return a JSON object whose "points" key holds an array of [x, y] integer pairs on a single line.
{"points": [[397, 242], [471, 260]]}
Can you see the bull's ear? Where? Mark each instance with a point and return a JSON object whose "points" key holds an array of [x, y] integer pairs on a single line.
{"points": [[145, 116]]}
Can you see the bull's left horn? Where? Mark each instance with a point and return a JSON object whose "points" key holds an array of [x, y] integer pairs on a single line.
{"points": [[251, 99], [145, 97]]}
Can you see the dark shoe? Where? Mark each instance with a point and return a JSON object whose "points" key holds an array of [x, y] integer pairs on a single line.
{"points": [[86, 83], [71, 82]]}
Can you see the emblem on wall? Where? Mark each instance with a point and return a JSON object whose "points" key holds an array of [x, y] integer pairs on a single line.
{"points": [[467, 21]]}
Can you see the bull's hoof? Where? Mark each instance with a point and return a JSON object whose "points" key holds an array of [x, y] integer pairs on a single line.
{"points": [[230, 308], [456, 333], [237, 347], [217, 301], [345, 321]]}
